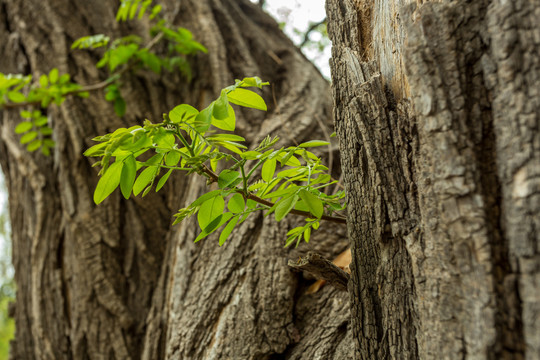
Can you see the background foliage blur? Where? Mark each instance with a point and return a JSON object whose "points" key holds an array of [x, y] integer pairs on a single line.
{"points": [[7, 286]]}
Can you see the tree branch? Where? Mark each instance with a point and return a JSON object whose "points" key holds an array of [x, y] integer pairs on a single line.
{"points": [[309, 30], [323, 269], [337, 219]]}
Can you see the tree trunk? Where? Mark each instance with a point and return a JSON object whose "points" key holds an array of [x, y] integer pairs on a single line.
{"points": [[437, 111], [117, 281]]}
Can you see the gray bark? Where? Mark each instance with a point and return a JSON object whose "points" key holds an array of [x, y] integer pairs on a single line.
{"points": [[437, 111], [116, 281]]}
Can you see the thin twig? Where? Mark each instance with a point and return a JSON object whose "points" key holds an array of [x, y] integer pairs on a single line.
{"points": [[309, 30], [323, 269]]}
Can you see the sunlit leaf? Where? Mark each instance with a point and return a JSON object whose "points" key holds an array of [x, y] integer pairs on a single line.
{"points": [[29, 136], [163, 180], [210, 209], [227, 177], [227, 230], [285, 206], [128, 175], [53, 76], [108, 182], [16, 97], [246, 98], [23, 127], [313, 143], [144, 178], [236, 203], [314, 204]]}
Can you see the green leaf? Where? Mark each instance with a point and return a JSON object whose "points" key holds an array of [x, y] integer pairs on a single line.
{"points": [[53, 76], [253, 81], [182, 113], [232, 146], [227, 177], [64, 79], [205, 197], [172, 158], [220, 109], [165, 141], [45, 130], [155, 11], [45, 150], [29, 136], [291, 172], [295, 231], [34, 145], [16, 97], [23, 127], [225, 137], [280, 193], [144, 178], [40, 121], [119, 106], [43, 81], [227, 230], [313, 143], [268, 169], [48, 142], [229, 121], [246, 98], [214, 225], [314, 204], [121, 55], [26, 114], [163, 180], [144, 6], [307, 234], [203, 120], [236, 203], [210, 210], [127, 179], [289, 159], [108, 182], [151, 60], [251, 204], [251, 155], [285, 206]]}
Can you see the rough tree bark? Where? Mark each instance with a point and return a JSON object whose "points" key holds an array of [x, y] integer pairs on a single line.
{"points": [[437, 110], [116, 281]]}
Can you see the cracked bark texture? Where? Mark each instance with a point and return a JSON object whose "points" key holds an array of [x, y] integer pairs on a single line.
{"points": [[437, 111], [116, 281]]}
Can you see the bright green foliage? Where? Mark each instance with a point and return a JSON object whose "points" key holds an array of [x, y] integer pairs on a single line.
{"points": [[10, 85], [36, 133], [120, 56], [276, 181], [7, 325], [91, 42], [129, 8], [51, 88]]}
